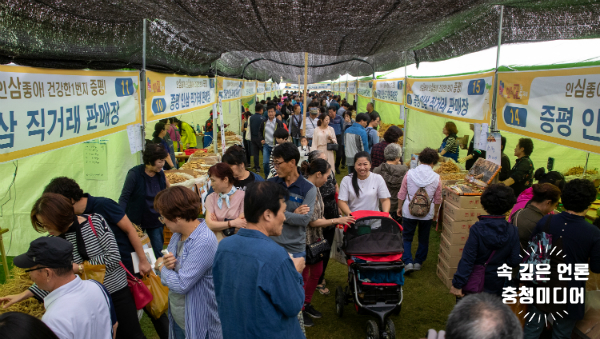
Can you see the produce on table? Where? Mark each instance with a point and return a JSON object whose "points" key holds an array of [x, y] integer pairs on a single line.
{"points": [[452, 176], [175, 178], [383, 127], [19, 282], [447, 167], [579, 171], [228, 133]]}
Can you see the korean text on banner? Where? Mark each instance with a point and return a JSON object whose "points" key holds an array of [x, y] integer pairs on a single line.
{"points": [[229, 89], [465, 97], [365, 89], [336, 87], [45, 109], [249, 88], [171, 94], [351, 87], [560, 106], [260, 87], [390, 91]]}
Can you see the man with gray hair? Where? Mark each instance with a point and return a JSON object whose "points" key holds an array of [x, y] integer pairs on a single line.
{"points": [[393, 173], [482, 316]]}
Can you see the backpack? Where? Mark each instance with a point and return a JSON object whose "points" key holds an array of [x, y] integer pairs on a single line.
{"points": [[543, 249], [420, 204]]}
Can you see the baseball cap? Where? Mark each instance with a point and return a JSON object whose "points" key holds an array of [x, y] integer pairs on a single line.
{"points": [[314, 110], [51, 252]]}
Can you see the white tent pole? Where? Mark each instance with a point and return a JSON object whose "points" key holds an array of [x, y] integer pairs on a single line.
{"points": [[494, 124], [405, 109], [143, 87]]}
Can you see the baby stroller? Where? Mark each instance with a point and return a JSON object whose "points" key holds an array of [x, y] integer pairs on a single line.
{"points": [[373, 251]]}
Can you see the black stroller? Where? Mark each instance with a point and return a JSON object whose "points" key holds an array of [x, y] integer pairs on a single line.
{"points": [[373, 248]]}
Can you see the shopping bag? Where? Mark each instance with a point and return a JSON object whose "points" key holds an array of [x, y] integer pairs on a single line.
{"points": [[93, 272], [160, 294]]}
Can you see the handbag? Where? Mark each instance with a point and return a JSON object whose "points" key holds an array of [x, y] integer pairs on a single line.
{"points": [[141, 294], [477, 278], [332, 146], [316, 252], [160, 296], [90, 271]]}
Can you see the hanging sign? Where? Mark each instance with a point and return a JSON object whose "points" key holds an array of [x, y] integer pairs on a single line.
{"points": [[390, 91], [43, 109], [560, 106], [249, 88], [493, 150], [365, 89], [171, 94], [465, 97], [351, 87], [229, 89], [336, 87], [260, 88]]}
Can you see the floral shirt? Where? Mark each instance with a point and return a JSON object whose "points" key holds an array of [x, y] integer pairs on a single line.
{"points": [[314, 234]]}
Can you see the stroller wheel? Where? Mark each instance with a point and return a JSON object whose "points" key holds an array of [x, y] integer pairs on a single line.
{"points": [[340, 301], [372, 330], [390, 329]]}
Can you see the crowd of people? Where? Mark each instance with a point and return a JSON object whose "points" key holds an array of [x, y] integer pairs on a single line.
{"points": [[243, 269]]}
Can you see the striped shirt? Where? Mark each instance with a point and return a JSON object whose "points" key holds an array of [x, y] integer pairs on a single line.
{"points": [[195, 280], [101, 249]]}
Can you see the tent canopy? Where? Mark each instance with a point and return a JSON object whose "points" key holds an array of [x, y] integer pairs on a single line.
{"points": [[195, 37]]}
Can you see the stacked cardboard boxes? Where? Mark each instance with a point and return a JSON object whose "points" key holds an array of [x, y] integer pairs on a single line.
{"points": [[460, 213]]}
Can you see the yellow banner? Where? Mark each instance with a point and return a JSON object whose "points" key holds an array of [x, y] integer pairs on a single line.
{"points": [[46, 109], [464, 97], [229, 89], [168, 95], [365, 89], [390, 91], [560, 106]]}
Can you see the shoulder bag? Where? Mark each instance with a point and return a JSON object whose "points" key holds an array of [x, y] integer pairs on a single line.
{"points": [[316, 252], [477, 278]]}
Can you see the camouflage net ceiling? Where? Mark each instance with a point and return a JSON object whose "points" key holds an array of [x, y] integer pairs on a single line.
{"points": [[196, 36]]}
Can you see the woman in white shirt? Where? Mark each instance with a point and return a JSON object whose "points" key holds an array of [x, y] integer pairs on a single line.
{"points": [[363, 189]]}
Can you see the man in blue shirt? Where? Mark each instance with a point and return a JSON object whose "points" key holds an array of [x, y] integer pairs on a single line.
{"points": [[335, 121], [355, 139], [300, 206], [254, 124], [257, 284], [373, 137]]}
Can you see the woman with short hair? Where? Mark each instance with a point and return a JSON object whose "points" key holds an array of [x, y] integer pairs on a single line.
{"points": [[187, 269], [225, 206], [235, 157], [390, 136], [449, 148], [545, 200], [492, 242], [160, 136], [142, 184], [393, 173]]}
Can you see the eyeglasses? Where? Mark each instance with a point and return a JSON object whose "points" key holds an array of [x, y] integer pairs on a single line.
{"points": [[161, 219], [277, 164], [35, 269]]}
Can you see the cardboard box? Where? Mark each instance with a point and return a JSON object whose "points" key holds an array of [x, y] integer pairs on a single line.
{"points": [[455, 238], [449, 271], [464, 201], [457, 226], [451, 249], [451, 261], [443, 277], [461, 214]]}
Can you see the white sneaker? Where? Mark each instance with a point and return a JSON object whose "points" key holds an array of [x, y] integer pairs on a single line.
{"points": [[408, 268], [417, 267]]}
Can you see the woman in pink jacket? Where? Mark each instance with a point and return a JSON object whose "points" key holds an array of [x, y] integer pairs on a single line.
{"points": [[555, 178]]}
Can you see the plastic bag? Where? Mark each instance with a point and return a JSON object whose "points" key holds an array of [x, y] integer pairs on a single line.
{"points": [[93, 272], [160, 294]]}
